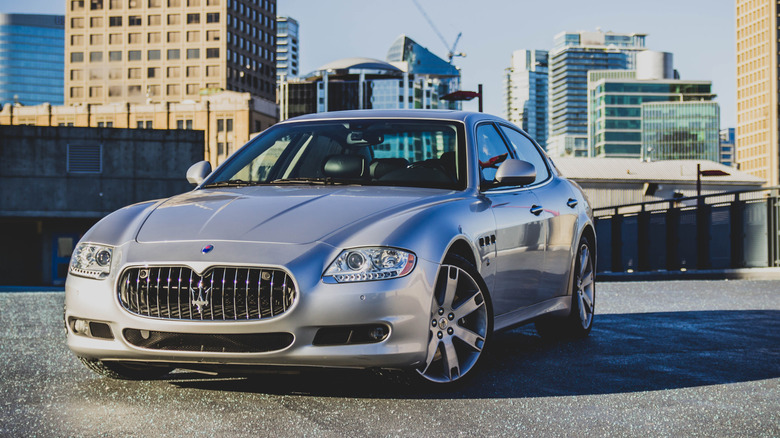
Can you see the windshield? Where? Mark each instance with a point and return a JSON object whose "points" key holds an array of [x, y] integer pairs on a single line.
{"points": [[425, 153]]}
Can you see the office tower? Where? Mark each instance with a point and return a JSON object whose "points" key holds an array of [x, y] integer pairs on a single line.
{"points": [[287, 43], [32, 59], [163, 51], [526, 93], [618, 110], [573, 55], [757, 138], [727, 141]]}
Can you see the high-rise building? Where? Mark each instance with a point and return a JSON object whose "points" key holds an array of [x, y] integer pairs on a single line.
{"points": [[617, 112], [32, 59], [572, 56], [165, 51], [758, 62], [727, 141], [526, 93], [287, 43]]}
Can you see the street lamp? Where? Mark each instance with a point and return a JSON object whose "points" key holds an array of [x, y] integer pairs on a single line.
{"points": [[465, 95], [700, 173]]}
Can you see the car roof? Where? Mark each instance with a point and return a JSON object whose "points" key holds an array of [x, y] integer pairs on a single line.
{"points": [[462, 116]]}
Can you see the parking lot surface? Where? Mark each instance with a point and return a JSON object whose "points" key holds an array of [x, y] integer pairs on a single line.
{"points": [[688, 358]]}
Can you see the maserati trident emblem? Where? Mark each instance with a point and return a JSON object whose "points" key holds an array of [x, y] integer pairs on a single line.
{"points": [[202, 298], [207, 249]]}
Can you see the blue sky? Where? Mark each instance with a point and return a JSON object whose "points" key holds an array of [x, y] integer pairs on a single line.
{"points": [[700, 33]]}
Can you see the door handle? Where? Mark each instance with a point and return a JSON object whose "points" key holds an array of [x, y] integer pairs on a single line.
{"points": [[536, 209], [571, 203]]}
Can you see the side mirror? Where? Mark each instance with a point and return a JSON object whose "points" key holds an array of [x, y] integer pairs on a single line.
{"points": [[198, 172], [515, 173]]}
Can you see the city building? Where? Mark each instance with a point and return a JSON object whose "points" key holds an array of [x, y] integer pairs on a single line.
{"points": [[226, 120], [57, 182], [568, 146], [572, 56], [158, 51], [727, 142], [526, 93], [412, 77], [618, 103], [287, 43], [32, 59], [758, 62]]}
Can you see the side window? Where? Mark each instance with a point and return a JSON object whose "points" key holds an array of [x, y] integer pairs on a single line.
{"points": [[492, 151], [527, 151]]}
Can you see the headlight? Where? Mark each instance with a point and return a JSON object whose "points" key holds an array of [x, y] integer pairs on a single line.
{"points": [[367, 264], [91, 260]]}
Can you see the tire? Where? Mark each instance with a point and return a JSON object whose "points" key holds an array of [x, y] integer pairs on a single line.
{"points": [[580, 321], [460, 323], [125, 370]]}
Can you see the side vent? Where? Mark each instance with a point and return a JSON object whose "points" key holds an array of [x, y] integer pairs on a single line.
{"points": [[85, 159]]}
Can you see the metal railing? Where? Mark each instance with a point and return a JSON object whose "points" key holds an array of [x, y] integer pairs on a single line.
{"points": [[718, 231]]}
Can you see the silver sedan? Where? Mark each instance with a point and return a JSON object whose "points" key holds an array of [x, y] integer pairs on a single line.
{"points": [[363, 239]]}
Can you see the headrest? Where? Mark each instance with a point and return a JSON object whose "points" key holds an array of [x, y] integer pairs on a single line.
{"points": [[382, 166], [344, 166]]}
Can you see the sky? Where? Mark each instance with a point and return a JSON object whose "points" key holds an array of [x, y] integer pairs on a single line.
{"points": [[700, 33]]}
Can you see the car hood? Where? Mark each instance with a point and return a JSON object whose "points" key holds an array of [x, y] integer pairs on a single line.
{"points": [[277, 214]]}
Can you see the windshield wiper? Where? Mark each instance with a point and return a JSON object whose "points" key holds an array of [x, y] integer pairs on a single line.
{"points": [[316, 181], [232, 183]]}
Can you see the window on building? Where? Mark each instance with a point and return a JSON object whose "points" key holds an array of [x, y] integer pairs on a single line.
{"points": [[193, 18], [174, 54], [193, 36], [134, 90], [153, 37], [95, 56], [76, 75], [153, 55], [96, 5], [115, 56], [76, 40], [174, 72], [153, 90], [134, 4], [76, 23], [212, 35], [212, 71], [174, 19], [212, 17], [154, 20], [96, 22], [155, 3], [76, 91], [193, 3], [174, 3], [212, 85], [212, 53], [220, 125], [115, 73], [193, 53], [115, 4], [134, 38], [212, 2], [96, 91], [133, 73], [192, 89], [153, 72], [220, 147], [134, 20], [174, 37], [77, 5], [134, 55], [193, 72], [96, 39], [115, 38], [173, 90], [115, 91]]}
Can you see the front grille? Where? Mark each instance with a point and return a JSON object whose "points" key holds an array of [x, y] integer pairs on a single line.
{"points": [[220, 294], [213, 343]]}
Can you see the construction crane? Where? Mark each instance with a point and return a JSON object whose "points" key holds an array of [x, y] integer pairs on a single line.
{"points": [[452, 53]]}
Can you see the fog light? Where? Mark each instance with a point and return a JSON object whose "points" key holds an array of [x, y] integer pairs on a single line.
{"points": [[378, 333], [81, 327]]}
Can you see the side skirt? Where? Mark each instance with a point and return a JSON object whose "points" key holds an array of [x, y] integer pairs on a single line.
{"points": [[556, 306]]}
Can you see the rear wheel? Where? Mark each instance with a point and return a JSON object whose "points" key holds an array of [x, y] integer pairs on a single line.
{"points": [[125, 370], [460, 323], [580, 321]]}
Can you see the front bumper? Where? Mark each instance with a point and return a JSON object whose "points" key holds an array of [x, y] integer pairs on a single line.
{"points": [[402, 304]]}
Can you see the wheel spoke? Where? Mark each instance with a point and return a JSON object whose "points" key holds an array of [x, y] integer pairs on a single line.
{"points": [[587, 299], [451, 287], [451, 360], [433, 345], [472, 304], [587, 280], [583, 313], [474, 340], [584, 261]]}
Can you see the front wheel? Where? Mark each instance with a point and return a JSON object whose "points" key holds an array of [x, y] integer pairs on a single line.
{"points": [[460, 324]]}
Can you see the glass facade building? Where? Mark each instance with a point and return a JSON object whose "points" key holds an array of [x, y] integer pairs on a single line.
{"points": [[573, 55], [32, 59], [681, 130], [616, 111], [727, 142], [526, 93], [287, 43]]}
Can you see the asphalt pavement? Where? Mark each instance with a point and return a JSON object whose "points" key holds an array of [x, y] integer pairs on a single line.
{"points": [[677, 358]]}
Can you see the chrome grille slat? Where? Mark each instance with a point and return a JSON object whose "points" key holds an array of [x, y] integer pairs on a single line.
{"points": [[168, 292]]}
